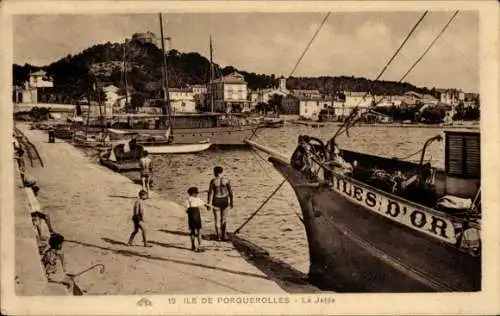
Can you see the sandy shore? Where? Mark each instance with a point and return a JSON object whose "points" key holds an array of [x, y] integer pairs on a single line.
{"points": [[91, 206]]}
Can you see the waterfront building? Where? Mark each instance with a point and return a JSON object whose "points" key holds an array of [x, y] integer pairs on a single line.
{"points": [[230, 93], [264, 95], [182, 100], [355, 99], [310, 107], [29, 92], [199, 89], [450, 96]]}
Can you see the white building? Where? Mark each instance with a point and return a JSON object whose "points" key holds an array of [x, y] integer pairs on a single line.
{"points": [[230, 93], [182, 100], [29, 92], [199, 89], [310, 107], [264, 95], [354, 99]]}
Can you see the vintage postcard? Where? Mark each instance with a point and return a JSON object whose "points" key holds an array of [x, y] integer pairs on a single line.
{"points": [[261, 157]]}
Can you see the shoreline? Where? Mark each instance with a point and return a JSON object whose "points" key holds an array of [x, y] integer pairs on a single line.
{"points": [[471, 125]]}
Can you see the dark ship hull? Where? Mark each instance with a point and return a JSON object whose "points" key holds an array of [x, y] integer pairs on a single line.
{"points": [[362, 239]]}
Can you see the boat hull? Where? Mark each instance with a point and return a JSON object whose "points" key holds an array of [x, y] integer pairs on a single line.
{"points": [[225, 136], [177, 148], [353, 249]]}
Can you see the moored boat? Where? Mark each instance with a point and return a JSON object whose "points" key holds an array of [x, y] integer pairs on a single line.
{"points": [[387, 225], [177, 148], [191, 128]]}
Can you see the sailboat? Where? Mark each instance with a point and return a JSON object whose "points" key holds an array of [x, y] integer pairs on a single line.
{"points": [[198, 127], [378, 224], [155, 143]]}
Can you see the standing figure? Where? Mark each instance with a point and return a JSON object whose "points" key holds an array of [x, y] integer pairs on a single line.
{"points": [[138, 219], [19, 157], [220, 195], [301, 157], [52, 135], [194, 203], [146, 171]]}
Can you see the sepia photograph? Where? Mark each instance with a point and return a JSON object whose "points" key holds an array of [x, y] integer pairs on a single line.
{"points": [[248, 159]]}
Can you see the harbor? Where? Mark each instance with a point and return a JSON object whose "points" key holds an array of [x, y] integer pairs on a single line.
{"points": [[106, 212], [144, 168]]}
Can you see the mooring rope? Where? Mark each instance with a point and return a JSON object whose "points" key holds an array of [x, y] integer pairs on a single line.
{"points": [[291, 73], [260, 156], [260, 207]]}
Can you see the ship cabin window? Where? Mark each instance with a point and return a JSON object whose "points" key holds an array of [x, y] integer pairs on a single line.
{"points": [[463, 154]]}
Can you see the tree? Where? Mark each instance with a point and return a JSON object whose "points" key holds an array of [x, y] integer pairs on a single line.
{"points": [[261, 107], [275, 102], [137, 101]]}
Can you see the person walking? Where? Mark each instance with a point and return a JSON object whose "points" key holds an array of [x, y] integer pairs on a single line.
{"points": [[220, 195], [138, 219]]}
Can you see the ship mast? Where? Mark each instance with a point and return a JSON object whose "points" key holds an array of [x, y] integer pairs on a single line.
{"points": [[125, 72], [166, 104], [211, 77]]}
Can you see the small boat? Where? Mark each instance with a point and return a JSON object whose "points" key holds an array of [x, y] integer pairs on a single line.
{"points": [[80, 138], [272, 122], [177, 148], [157, 144]]}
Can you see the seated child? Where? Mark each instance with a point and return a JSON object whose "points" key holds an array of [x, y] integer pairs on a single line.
{"points": [[53, 259], [194, 203]]}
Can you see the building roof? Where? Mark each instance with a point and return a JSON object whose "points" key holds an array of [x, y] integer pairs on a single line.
{"points": [[356, 94], [231, 78]]}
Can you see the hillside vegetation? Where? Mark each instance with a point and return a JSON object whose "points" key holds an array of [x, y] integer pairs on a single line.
{"points": [[104, 64]]}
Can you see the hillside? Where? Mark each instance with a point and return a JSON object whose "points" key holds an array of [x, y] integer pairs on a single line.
{"points": [[104, 63]]}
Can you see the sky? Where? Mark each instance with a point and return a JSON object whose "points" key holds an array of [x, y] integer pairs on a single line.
{"points": [[349, 43]]}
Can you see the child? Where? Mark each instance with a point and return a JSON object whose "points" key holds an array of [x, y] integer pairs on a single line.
{"points": [[146, 171], [53, 256], [194, 203], [138, 218]]}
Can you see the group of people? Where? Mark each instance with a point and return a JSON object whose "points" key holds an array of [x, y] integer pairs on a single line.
{"points": [[52, 255], [311, 152], [219, 201]]}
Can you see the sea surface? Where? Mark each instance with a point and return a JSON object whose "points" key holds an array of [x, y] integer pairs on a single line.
{"points": [[276, 227]]}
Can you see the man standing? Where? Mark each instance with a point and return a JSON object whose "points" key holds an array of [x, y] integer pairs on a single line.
{"points": [[146, 171], [220, 195]]}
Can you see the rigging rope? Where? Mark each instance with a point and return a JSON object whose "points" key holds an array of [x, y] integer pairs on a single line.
{"points": [[339, 132], [431, 44], [309, 44], [347, 123]]}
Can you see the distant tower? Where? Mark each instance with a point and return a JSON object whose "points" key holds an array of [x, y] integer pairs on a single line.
{"points": [[282, 84]]}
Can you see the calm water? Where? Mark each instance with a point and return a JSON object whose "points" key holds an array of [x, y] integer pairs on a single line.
{"points": [[276, 227]]}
